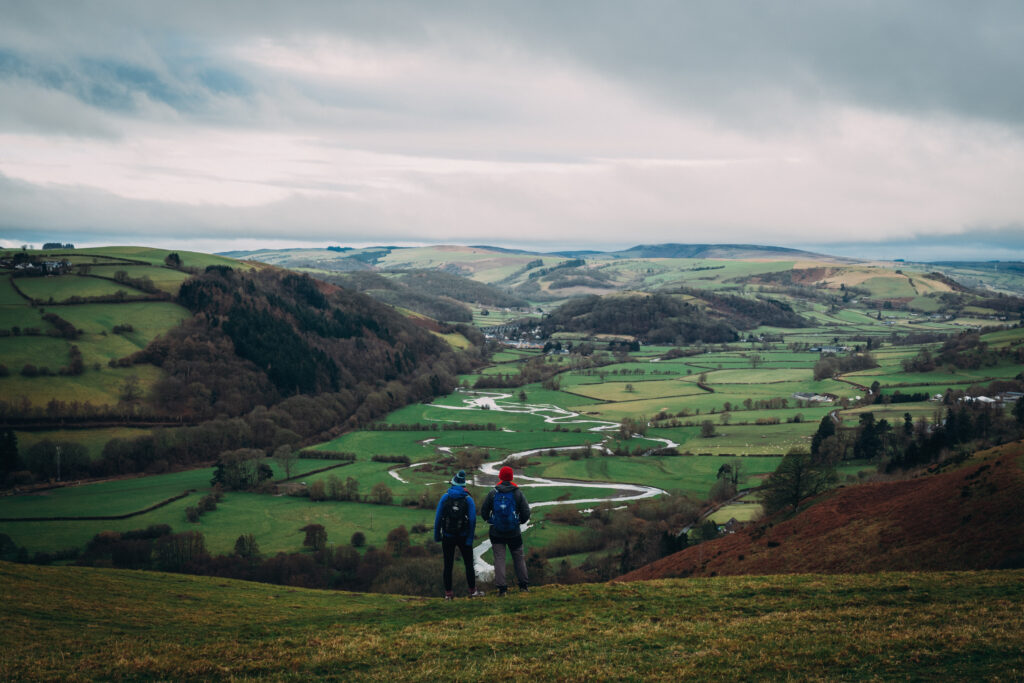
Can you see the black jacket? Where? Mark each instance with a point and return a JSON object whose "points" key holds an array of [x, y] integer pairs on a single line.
{"points": [[522, 508]]}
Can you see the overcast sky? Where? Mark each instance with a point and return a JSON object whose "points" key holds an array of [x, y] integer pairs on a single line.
{"points": [[885, 129]]}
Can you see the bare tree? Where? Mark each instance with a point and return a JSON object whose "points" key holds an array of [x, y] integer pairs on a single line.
{"points": [[285, 457]]}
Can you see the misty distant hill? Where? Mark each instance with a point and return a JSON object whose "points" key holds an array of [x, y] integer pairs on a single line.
{"points": [[720, 251]]}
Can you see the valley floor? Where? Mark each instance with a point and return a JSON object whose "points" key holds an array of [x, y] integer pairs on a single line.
{"points": [[74, 623]]}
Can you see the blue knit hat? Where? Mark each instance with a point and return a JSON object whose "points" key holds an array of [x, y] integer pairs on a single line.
{"points": [[460, 478]]}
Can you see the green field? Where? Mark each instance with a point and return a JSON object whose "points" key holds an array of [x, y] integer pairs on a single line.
{"points": [[90, 624], [99, 387], [694, 475], [275, 521], [153, 256], [166, 279], [14, 310], [63, 287], [115, 497], [624, 390], [15, 352], [238, 513], [368, 444], [98, 344], [741, 512], [92, 439]]}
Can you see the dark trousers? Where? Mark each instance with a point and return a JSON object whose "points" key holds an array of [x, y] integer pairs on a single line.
{"points": [[515, 546], [448, 546]]}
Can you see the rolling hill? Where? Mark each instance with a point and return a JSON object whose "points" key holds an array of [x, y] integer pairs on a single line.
{"points": [[747, 270], [965, 519], [721, 251], [435, 293]]}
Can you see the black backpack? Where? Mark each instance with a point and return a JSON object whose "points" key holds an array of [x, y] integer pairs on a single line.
{"points": [[455, 516]]}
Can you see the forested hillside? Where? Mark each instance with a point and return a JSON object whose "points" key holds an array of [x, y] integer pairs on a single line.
{"points": [[670, 319]]}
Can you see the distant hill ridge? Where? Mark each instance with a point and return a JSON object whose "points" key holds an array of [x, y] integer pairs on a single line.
{"points": [[966, 519], [666, 250], [675, 250]]}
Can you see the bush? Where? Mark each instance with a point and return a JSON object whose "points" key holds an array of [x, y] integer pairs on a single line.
{"points": [[401, 459], [381, 494]]}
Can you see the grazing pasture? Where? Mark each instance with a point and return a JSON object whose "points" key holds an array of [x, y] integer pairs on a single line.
{"points": [[55, 289], [694, 475]]}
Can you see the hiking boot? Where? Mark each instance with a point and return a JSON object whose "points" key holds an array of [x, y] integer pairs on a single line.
{"points": [[524, 589], [502, 590], [449, 595], [477, 594]]}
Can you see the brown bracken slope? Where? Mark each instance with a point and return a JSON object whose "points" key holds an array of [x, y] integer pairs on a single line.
{"points": [[968, 518]]}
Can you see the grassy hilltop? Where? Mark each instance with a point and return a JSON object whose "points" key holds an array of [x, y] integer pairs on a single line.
{"points": [[84, 624]]}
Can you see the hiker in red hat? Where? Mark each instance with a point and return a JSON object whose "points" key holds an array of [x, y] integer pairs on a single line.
{"points": [[506, 509]]}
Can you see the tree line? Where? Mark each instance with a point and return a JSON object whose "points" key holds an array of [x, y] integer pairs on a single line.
{"points": [[965, 352]]}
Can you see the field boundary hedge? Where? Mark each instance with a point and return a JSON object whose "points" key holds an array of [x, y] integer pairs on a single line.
{"points": [[100, 518], [318, 471]]}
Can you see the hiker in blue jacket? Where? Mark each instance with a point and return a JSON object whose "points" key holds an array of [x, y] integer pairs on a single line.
{"points": [[506, 508], [454, 527]]}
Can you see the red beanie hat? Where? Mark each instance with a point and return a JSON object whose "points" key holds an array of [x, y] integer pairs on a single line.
{"points": [[505, 473]]}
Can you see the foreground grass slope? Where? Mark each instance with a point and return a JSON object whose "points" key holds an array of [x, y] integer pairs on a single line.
{"points": [[82, 624]]}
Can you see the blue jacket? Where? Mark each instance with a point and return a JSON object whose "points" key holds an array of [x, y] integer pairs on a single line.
{"points": [[458, 492]]}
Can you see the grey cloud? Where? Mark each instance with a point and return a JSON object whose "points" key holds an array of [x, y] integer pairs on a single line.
{"points": [[960, 59], [32, 108], [116, 85], [86, 70], [749, 61]]}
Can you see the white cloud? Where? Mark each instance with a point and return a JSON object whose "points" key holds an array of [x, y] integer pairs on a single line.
{"points": [[359, 122]]}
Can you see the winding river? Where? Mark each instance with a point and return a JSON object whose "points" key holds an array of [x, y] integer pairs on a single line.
{"points": [[552, 414]]}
